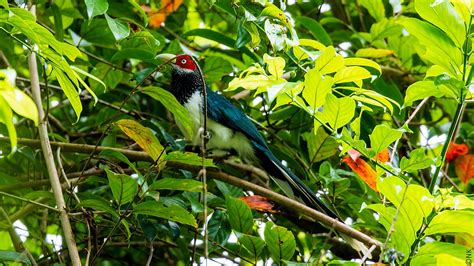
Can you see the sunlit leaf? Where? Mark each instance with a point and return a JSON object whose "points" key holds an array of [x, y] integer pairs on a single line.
{"points": [[6, 117], [70, 91], [316, 88], [427, 253], [316, 29], [190, 158], [351, 74], [449, 222], [362, 62], [338, 111], [376, 8], [374, 52], [418, 160], [320, 145], [382, 136], [329, 61], [275, 65], [21, 103]]}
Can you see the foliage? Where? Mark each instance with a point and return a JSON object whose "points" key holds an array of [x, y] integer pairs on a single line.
{"points": [[383, 86]]}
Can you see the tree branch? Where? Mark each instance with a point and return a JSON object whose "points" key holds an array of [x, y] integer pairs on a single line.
{"points": [[49, 159], [285, 202]]}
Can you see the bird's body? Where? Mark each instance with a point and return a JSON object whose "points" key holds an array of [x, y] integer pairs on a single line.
{"points": [[230, 129]]}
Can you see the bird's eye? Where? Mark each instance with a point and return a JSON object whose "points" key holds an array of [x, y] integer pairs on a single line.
{"points": [[183, 61]]}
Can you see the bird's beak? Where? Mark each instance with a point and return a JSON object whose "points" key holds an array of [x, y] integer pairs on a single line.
{"points": [[167, 58]]}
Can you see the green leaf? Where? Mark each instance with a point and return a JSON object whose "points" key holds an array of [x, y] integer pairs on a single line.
{"points": [[70, 91], [352, 74], [382, 136], [447, 200], [320, 145], [329, 61], [375, 7], [418, 160], [171, 104], [316, 29], [420, 90], [243, 36], [173, 212], [240, 215], [220, 38], [338, 111], [144, 137], [12, 256], [450, 222], [6, 117], [124, 187], [190, 158], [374, 52], [440, 49], [280, 242], [316, 89], [443, 15], [215, 68], [254, 245], [105, 74], [99, 204], [177, 184], [119, 29], [219, 227], [428, 253], [96, 7], [87, 74], [273, 11]]}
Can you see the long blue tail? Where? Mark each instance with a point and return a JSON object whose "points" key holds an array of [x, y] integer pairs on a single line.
{"points": [[275, 168]]}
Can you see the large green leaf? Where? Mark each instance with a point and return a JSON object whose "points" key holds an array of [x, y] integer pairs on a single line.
{"points": [[177, 184], [96, 7], [169, 101], [280, 242], [375, 7], [124, 187], [316, 29], [450, 222], [190, 158], [382, 136], [254, 245], [439, 48], [428, 253], [316, 88], [119, 29], [320, 145], [338, 111], [172, 212], [240, 215], [418, 160], [444, 16], [71, 92]]}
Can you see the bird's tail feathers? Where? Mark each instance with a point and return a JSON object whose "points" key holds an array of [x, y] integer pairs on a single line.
{"points": [[308, 196]]}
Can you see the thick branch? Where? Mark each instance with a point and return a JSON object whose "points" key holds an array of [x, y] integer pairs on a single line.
{"points": [[287, 203], [49, 159]]}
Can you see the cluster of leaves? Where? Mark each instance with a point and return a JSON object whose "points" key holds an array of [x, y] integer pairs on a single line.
{"points": [[324, 84]]}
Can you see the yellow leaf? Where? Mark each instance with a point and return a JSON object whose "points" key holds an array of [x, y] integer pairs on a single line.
{"points": [[373, 52], [312, 43], [21, 103], [316, 88], [351, 74], [329, 61], [144, 137], [362, 62], [275, 65]]}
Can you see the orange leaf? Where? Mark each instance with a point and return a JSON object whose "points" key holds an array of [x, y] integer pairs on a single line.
{"points": [[363, 170], [464, 167], [157, 17], [454, 150], [259, 203], [383, 156]]}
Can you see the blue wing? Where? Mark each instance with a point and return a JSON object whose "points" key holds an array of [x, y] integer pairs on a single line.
{"points": [[222, 111]]}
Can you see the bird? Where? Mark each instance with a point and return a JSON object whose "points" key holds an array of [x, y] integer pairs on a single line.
{"points": [[229, 128]]}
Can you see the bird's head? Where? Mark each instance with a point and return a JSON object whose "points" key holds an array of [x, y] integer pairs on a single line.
{"points": [[185, 75]]}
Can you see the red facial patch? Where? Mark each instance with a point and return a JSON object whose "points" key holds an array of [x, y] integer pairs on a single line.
{"points": [[186, 62]]}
